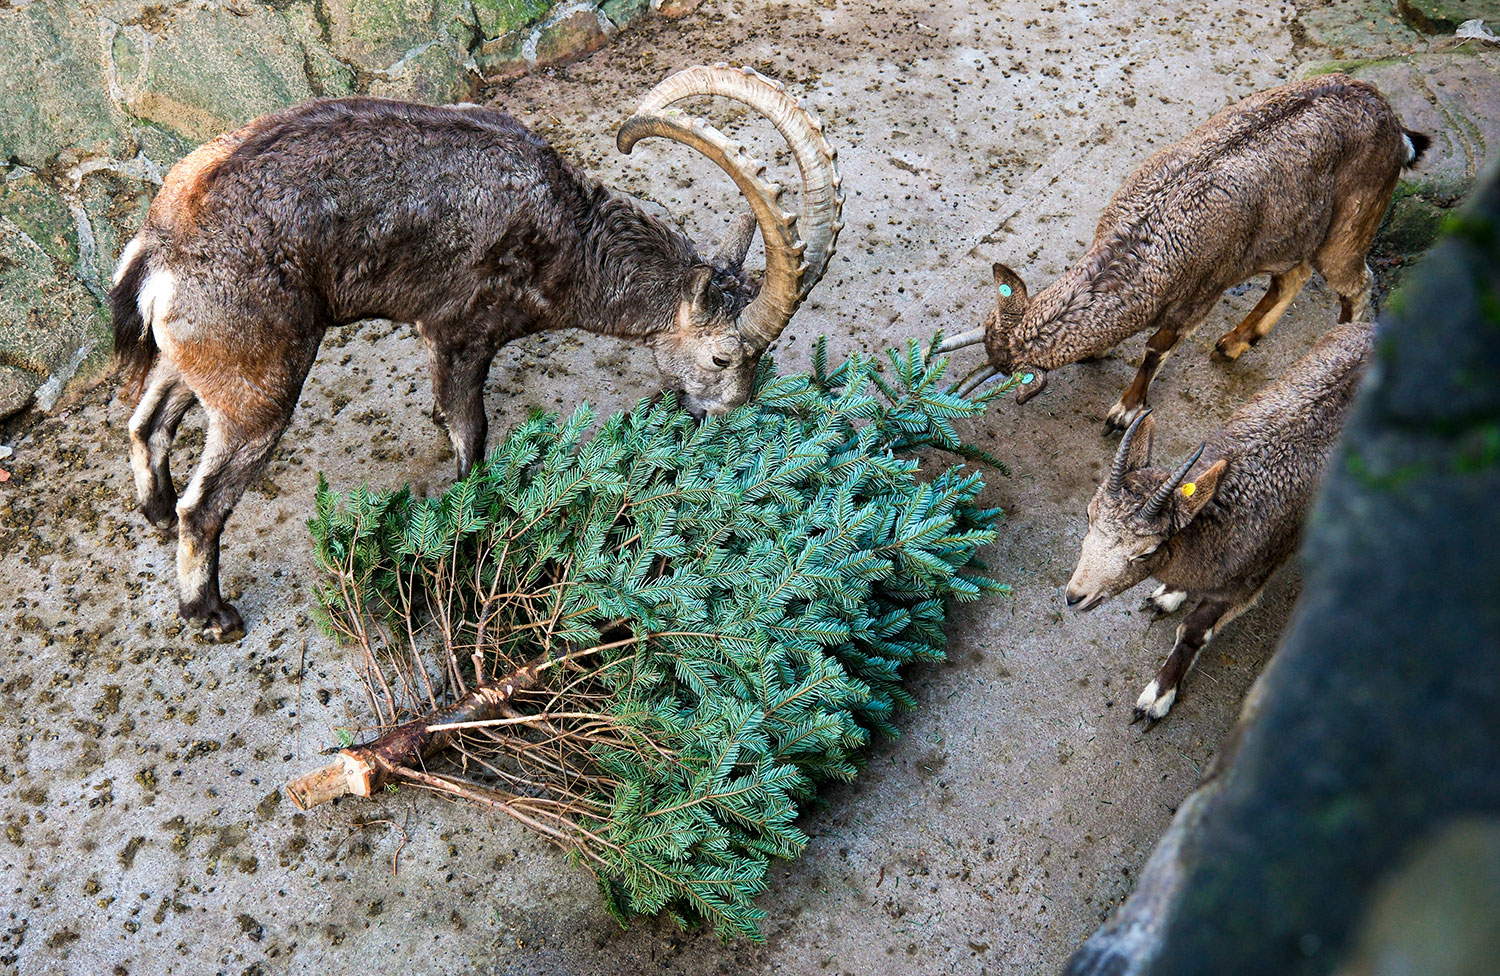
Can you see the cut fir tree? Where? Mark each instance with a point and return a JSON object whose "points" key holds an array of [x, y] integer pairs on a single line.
{"points": [[650, 640]]}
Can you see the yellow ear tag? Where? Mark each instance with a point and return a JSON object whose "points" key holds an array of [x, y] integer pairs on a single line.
{"points": [[1189, 488]]}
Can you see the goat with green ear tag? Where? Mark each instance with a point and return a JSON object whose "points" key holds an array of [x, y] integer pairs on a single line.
{"points": [[1289, 181], [1217, 526]]}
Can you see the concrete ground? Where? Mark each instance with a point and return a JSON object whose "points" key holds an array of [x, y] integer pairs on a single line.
{"points": [[140, 768]]}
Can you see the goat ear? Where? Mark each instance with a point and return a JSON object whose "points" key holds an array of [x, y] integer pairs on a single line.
{"points": [[1012, 289], [730, 254], [1194, 496], [699, 291]]}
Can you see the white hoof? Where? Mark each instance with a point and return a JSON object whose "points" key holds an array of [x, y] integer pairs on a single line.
{"points": [[1121, 417], [1153, 705], [1166, 599]]}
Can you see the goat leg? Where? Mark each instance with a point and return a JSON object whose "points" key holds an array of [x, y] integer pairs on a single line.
{"points": [[153, 426], [1133, 400], [1266, 313], [1194, 632]]}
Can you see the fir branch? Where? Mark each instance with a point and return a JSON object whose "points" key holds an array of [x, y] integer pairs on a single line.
{"points": [[710, 619]]}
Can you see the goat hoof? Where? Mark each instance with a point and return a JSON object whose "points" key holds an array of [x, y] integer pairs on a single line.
{"points": [[228, 630], [220, 623], [1120, 417], [1154, 703], [160, 512], [1229, 351], [1163, 601]]}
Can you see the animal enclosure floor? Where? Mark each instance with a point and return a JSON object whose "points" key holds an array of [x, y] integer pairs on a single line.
{"points": [[140, 771]]}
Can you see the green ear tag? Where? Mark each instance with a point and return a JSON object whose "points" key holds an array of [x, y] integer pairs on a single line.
{"points": [[1005, 291], [1027, 377]]}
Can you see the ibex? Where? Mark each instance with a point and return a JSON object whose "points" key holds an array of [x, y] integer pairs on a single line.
{"points": [[459, 220], [1217, 527], [1289, 180]]}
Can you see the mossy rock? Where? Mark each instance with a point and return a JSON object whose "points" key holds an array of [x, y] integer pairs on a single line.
{"points": [[17, 387], [1412, 224], [622, 12], [432, 73], [569, 37], [211, 71], [500, 17], [377, 34], [50, 325], [37, 210], [504, 57], [1444, 16], [54, 101]]}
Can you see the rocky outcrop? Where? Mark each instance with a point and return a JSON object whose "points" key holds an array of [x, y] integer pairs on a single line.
{"points": [[101, 97], [1453, 96], [1444, 16], [1374, 729]]}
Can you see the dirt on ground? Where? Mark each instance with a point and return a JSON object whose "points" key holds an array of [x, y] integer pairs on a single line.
{"points": [[140, 768]]}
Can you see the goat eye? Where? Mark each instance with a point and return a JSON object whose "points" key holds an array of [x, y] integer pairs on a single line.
{"points": [[721, 362]]}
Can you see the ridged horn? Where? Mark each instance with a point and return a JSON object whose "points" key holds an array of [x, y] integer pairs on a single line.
{"points": [[1117, 470], [981, 375], [798, 246], [1158, 499], [971, 338]]}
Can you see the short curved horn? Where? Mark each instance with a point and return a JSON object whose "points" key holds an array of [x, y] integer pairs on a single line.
{"points": [[798, 247], [1158, 499], [981, 375], [971, 338], [1117, 470]]}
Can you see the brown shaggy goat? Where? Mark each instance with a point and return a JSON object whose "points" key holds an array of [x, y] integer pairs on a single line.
{"points": [[1216, 529], [459, 220], [1287, 181]]}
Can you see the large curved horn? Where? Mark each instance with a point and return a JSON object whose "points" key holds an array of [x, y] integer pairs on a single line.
{"points": [[1158, 499], [1117, 470], [798, 247]]}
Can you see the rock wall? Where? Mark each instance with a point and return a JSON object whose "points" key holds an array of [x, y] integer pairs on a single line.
{"points": [[1452, 94], [101, 97]]}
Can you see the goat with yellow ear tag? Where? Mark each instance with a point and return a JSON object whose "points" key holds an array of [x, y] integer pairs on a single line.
{"points": [[1215, 527]]}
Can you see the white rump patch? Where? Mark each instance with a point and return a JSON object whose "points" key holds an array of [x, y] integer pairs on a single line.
{"points": [[155, 298], [126, 256], [1411, 151]]}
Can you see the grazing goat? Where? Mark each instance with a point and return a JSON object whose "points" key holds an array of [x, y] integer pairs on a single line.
{"points": [[459, 220], [1289, 180], [1217, 527]]}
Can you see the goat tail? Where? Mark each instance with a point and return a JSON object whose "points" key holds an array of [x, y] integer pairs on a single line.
{"points": [[1416, 145], [135, 344]]}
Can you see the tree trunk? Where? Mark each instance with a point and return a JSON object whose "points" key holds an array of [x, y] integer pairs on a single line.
{"points": [[361, 770]]}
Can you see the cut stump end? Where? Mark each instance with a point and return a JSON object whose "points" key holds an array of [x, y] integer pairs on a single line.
{"points": [[350, 776]]}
